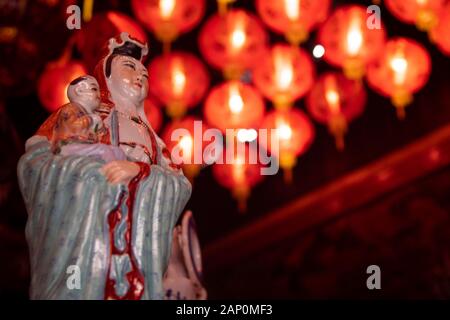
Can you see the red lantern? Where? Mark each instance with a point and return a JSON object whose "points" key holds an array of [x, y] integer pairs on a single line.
{"points": [[293, 18], [53, 83], [294, 135], [233, 42], [153, 113], [284, 75], [186, 143], [403, 69], [168, 18], [336, 101], [100, 29], [441, 33], [179, 80], [234, 105], [240, 175], [423, 13], [348, 42]]}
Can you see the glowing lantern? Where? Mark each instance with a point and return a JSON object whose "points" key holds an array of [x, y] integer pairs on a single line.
{"points": [[440, 35], [185, 144], [53, 83], [348, 42], [100, 29], [335, 101], [293, 18], [233, 42], [294, 135], [168, 18], [402, 70], [234, 105], [239, 175], [284, 75], [423, 13], [153, 113], [179, 80]]}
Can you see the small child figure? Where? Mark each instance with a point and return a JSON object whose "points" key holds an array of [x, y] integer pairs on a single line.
{"points": [[78, 130]]}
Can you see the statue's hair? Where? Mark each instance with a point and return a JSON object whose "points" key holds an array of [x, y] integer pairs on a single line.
{"points": [[128, 49], [77, 80]]}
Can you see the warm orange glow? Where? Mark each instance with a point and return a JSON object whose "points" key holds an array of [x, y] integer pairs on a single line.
{"points": [[292, 8], [284, 131], [178, 77], [238, 36], [186, 144], [284, 72], [235, 102], [399, 66], [331, 94], [354, 37], [166, 8], [238, 171]]}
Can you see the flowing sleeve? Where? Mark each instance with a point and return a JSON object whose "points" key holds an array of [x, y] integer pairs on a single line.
{"points": [[67, 201], [160, 200]]}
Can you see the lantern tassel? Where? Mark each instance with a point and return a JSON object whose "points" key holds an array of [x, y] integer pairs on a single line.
{"points": [[400, 100], [241, 194], [88, 8], [338, 128], [223, 6], [288, 162]]}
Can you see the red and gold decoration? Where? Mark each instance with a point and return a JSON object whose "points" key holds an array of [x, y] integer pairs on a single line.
{"points": [[102, 27], [284, 75], [234, 105], [185, 144], [348, 42], [240, 175], [336, 101], [236, 42], [294, 135], [167, 19], [179, 80], [233, 42], [423, 13], [402, 70], [53, 82], [293, 18]]}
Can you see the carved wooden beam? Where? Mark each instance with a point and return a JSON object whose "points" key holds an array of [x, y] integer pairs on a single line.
{"points": [[393, 171]]}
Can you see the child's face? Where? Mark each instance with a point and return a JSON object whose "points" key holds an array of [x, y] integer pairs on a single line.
{"points": [[87, 94]]}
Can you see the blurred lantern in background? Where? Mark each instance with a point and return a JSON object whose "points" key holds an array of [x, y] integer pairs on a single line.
{"points": [[293, 18], [234, 105], [403, 69], [294, 134], [53, 82], [167, 19], [348, 41], [239, 175], [284, 75], [423, 13], [233, 42], [185, 143], [102, 27], [153, 113], [179, 80], [440, 34], [335, 101]]}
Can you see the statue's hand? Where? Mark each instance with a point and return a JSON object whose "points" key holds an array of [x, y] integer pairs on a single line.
{"points": [[120, 171]]}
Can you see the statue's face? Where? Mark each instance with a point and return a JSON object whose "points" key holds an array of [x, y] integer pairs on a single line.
{"points": [[85, 93], [129, 79]]}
